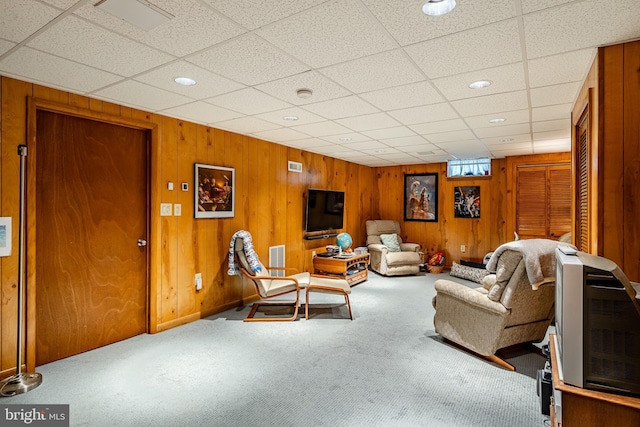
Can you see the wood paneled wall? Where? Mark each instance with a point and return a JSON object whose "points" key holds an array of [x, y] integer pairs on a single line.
{"points": [[478, 235], [269, 204], [612, 88]]}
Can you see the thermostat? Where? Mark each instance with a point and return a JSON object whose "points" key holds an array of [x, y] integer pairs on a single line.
{"points": [[185, 186]]}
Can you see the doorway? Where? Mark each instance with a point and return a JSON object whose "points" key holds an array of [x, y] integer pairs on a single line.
{"points": [[92, 225]]}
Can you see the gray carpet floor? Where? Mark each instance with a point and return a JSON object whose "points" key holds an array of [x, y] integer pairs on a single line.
{"points": [[387, 367]]}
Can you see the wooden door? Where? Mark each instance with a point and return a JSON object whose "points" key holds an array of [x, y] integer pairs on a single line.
{"points": [[91, 209]]}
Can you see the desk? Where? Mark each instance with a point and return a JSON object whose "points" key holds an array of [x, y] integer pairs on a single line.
{"points": [[353, 269]]}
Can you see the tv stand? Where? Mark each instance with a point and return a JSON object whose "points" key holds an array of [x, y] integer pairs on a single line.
{"points": [[582, 407], [353, 269]]}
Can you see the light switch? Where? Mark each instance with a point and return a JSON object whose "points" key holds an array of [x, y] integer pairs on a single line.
{"points": [[177, 209], [170, 186], [165, 209]]}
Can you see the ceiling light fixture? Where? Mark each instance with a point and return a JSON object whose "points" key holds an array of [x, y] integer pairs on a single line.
{"points": [[506, 139], [290, 118], [497, 120], [480, 84], [344, 138], [304, 93], [438, 7], [184, 81]]}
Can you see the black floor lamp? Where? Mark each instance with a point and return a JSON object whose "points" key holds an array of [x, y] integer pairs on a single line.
{"points": [[21, 382]]}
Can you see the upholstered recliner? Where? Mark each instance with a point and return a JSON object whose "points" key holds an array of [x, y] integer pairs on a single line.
{"points": [[514, 306], [390, 256]]}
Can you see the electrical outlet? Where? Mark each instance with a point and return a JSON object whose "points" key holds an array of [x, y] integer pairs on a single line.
{"points": [[463, 248], [313, 254], [198, 281], [177, 209]]}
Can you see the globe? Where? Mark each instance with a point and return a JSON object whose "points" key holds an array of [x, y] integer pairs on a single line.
{"points": [[344, 241]]}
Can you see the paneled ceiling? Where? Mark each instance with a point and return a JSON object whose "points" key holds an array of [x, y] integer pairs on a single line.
{"points": [[390, 84]]}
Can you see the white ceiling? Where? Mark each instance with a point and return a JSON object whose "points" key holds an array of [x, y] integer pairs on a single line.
{"points": [[391, 79]]}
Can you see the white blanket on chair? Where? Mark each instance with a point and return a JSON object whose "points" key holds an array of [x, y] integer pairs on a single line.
{"points": [[539, 259]]}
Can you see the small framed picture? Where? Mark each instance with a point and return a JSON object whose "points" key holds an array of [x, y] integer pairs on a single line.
{"points": [[466, 202], [421, 197], [5, 236], [214, 191]]}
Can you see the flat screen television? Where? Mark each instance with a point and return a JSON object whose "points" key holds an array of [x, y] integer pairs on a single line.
{"points": [[324, 210], [596, 319]]}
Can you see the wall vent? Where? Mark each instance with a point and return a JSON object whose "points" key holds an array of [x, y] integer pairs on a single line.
{"points": [[295, 167], [276, 259]]}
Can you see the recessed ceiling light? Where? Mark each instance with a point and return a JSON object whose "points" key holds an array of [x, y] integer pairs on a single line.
{"points": [[184, 81], [344, 138], [480, 84], [497, 120], [438, 7], [304, 93], [290, 118], [506, 139]]}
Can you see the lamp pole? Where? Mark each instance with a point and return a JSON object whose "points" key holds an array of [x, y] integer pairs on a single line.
{"points": [[21, 382]]}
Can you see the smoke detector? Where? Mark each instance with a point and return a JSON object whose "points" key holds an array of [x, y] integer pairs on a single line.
{"points": [[304, 93]]}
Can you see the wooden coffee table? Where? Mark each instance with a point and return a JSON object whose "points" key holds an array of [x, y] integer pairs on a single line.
{"points": [[353, 269]]}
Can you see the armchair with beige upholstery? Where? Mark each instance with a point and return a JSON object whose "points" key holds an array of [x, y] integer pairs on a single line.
{"points": [[514, 306], [391, 257]]}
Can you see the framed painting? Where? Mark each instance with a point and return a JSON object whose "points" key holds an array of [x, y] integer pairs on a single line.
{"points": [[5, 236], [421, 197], [214, 195], [466, 202]]}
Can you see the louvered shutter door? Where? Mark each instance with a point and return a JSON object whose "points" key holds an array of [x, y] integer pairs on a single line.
{"points": [[531, 202], [559, 187], [582, 182]]}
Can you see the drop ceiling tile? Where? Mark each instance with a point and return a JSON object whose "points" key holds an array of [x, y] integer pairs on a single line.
{"points": [[346, 138], [424, 114], [80, 41], [255, 14], [552, 135], [466, 149], [498, 154], [563, 68], [406, 96], [383, 152], [336, 150], [342, 107], [207, 84], [5, 46], [304, 117], [556, 94], [404, 141], [468, 51], [554, 146], [54, 71], [439, 127], [368, 145], [394, 132], [140, 95], [460, 135], [282, 134], [321, 129], [245, 125], [510, 140], [435, 158], [62, 4], [529, 6], [386, 69], [248, 101], [344, 25], [201, 112], [248, 59], [286, 88], [419, 149], [506, 78], [21, 18], [497, 131], [311, 144], [579, 25], [511, 118], [192, 28], [552, 112], [406, 22], [552, 125], [491, 104], [368, 122]]}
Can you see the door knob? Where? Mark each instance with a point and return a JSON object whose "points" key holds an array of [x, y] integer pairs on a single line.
{"points": [[142, 242]]}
